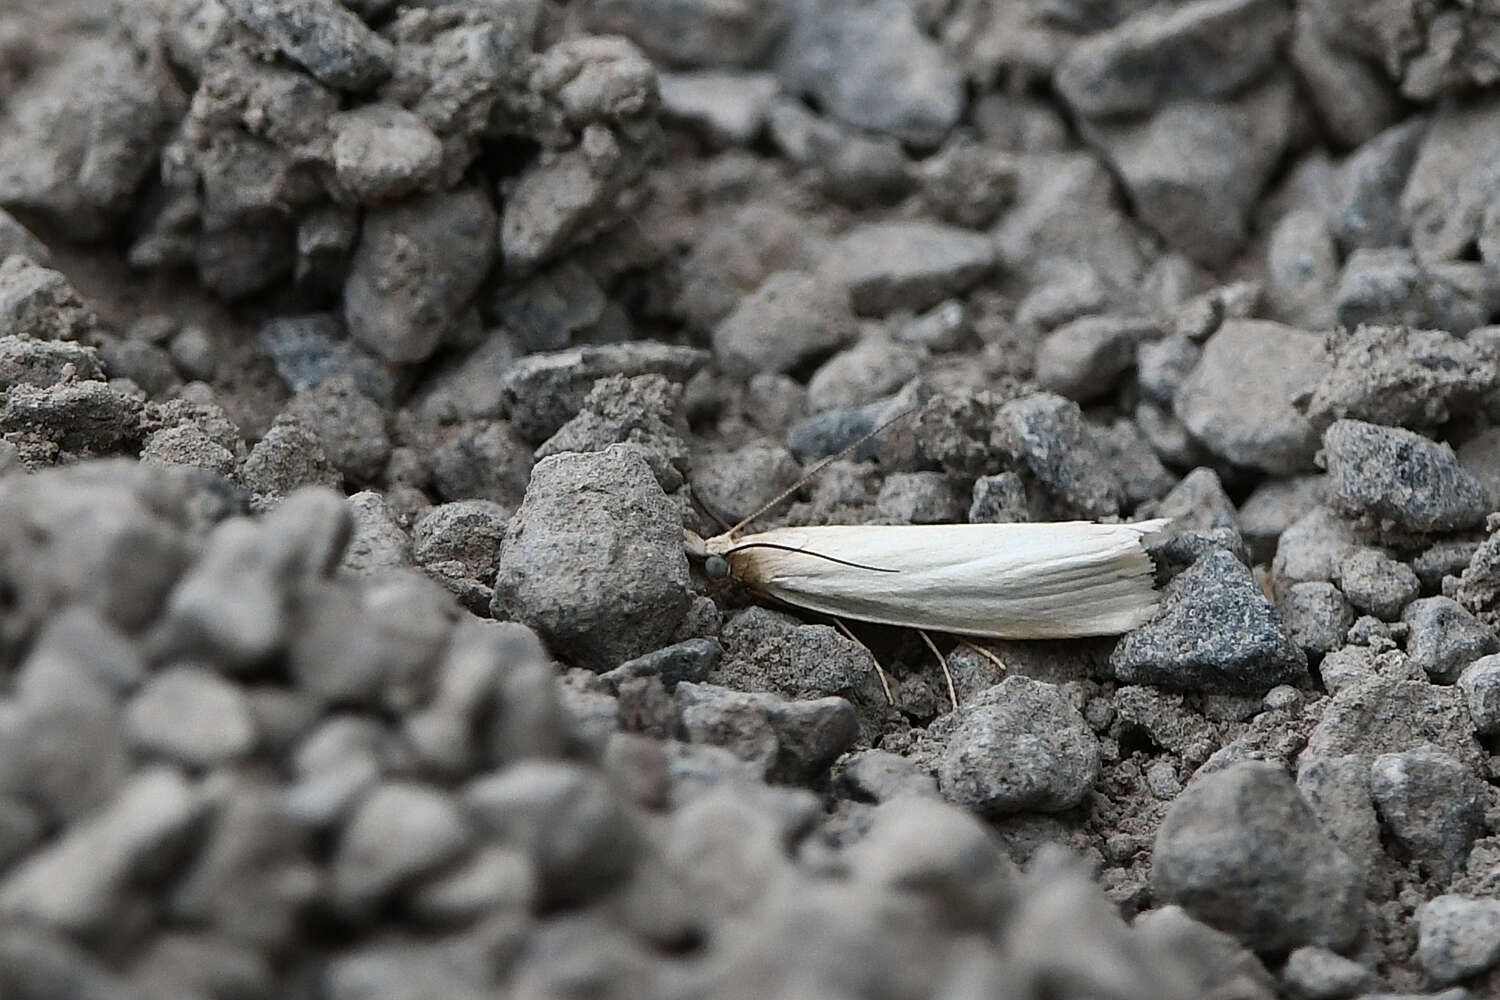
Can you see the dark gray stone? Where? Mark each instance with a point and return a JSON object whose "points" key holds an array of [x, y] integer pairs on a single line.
{"points": [[482, 460], [593, 559], [309, 350], [1480, 683], [1216, 632], [999, 500], [689, 660], [1019, 746], [1445, 638], [1162, 366], [736, 484], [1240, 850], [1432, 805], [1390, 286], [326, 39], [1366, 212], [1316, 616], [1048, 434], [790, 741], [693, 32], [1400, 478], [644, 412], [350, 426]]}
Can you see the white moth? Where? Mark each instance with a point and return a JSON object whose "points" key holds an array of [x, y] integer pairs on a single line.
{"points": [[1005, 581]]}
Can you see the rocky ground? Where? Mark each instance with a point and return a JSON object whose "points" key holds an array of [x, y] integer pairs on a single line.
{"points": [[362, 365]]}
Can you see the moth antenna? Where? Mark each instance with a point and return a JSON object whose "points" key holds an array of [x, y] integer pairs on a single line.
{"points": [[693, 495], [808, 476], [807, 552]]}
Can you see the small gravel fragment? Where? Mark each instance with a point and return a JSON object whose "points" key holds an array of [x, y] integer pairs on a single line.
{"points": [[999, 500], [399, 832], [1083, 359], [1400, 477], [1480, 683], [1457, 936], [790, 319], [1240, 850], [1445, 638], [193, 716], [1048, 434], [1432, 805], [1316, 973], [1018, 747], [1377, 584], [1317, 617], [329, 41], [1216, 632], [910, 265]]}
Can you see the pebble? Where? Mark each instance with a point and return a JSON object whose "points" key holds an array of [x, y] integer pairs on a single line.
{"points": [[418, 264], [458, 544], [1303, 265], [480, 460], [863, 375], [1085, 358], [1020, 746], [1320, 974], [377, 542], [1400, 478], [1432, 805], [546, 310], [329, 41], [1163, 365], [1366, 210], [1216, 632], [790, 741], [880, 776], [736, 484], [919, 498], [694, 34], [690, 660], [577, 506], [1240, 850], [1377, 584], [350, 426], [1445, 638], [1391, 714], [1457, 937], [308, 350], [1400, 377], [998, 499], [399, 832], [1272, 508], [1240, 400], [1392, 287], [1048, 434], [909, 266], [1317, 617], [790, 319], [727, 108], [381, 152], [1480, 683], [192, 716], [1217, 962]]}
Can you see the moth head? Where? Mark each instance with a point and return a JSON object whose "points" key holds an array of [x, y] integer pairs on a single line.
{"points": [[716, 567]]}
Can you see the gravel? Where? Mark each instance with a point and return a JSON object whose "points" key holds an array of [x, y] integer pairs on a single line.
{"points": [[362, 364]]}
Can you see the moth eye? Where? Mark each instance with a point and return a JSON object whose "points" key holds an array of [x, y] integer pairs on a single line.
{"points": [[717, 567]]}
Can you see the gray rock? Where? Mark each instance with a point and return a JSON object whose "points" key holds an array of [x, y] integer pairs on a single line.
{"points": [[544, 391], [1457, 937], [1197, 503], [690, 660], [1366, 211], [482, 460], [1432, 805], [377, 542], [1400, 478], [1048, 434], [727, 108], [1399, 376], [872, 66], [1201, 50], [334, 765], [1353, 97], [16, 239], [789, 741], [1162, 366], [1445, 638], [547, 309], [253, 878], [458, 544], [1272, 508], [36, 962], [43, 363], [147, 365], [1391, 714], [1312, 548], [593, 559], [187, 963], [1450, 183], [644, 412], [1303, 266], [1195, 168], [381, 152], [1390, 286], [418, 264], [289, 457], [39, 303], [736, 484], [919, 498], [309, 350], [1219, 964], [400, 832], [350, 426], [767, 651], [1216, 632], [578, 834], [191, 716], [1316, 615], [999, 500], [693, 32], [1240, 850], [494, 881], [1240, 400], [1480, 683], [791, 318], [863, 375], [1338, 791], [879, 776], [78, 418], [842, 162], [1019, 746], [1377, 584], [80, 883], [329, 41], [1084, 359], [892, 266], [1320, 974]]}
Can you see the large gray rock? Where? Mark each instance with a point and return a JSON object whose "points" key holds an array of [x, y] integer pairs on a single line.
{"points": [[1020, 746], [1216, 631], [1241, 851], [1241, 399], [593, 560], [1400, 479]]}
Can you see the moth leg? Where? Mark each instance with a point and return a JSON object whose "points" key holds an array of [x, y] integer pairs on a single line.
{"points": [[942, 662], [885, 682], [988, 654]]}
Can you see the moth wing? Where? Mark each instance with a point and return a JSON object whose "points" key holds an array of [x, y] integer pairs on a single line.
{"points": [[1014, 581]]}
